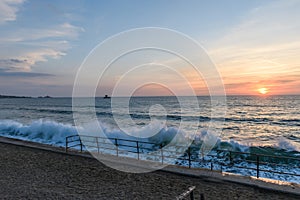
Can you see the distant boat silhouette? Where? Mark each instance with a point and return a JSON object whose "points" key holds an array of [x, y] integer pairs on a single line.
{"points": [[106, 97]]}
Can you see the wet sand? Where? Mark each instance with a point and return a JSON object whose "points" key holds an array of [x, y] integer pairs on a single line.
{"points": [[30, 173]]}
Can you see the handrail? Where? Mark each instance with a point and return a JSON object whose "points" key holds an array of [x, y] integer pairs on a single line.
{"points": [[257, 154], [108, 138], [138, 147], [188, 192]]}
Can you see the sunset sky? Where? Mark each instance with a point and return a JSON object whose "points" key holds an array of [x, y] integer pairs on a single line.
{"points": [[255, 45]]}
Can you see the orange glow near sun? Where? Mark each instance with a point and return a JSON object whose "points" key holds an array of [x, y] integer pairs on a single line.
{"points": [[263, 90]]}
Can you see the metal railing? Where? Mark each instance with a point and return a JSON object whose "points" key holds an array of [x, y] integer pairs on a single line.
{"points": [[188, 193], [156, 152]]}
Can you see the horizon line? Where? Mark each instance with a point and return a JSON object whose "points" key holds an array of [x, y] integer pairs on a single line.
{"points": [[153, 96]]}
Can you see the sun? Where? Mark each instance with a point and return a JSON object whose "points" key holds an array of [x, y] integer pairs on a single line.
{"points": [[263, 90]]}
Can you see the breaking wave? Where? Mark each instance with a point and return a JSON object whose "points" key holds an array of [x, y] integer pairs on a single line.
{"points": [[54, 133]]}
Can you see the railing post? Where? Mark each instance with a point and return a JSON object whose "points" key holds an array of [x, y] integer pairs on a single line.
{"points": [[257, 166], [192, 195], [211, 166], [162, 154], [189, 154], [66, 144], [189, 192], [80, 145], [201, 196], [97, 144], [117, 146], [137, 149]]}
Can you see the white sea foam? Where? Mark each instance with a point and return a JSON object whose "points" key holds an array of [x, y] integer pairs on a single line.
{"points": [[283, 143], [42, 131], [51, 132], [164, 135]]}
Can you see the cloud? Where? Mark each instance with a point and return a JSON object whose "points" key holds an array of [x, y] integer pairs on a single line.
{"points": [[11, 64], [266, 25], [25, 62], [276, 85], [41, 45], [65, 30], [42, 54], [24, 74], [30, 45], [9, 9], [266, 43]]}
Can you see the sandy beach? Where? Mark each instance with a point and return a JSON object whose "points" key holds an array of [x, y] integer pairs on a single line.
{"points": [[27, 172]]}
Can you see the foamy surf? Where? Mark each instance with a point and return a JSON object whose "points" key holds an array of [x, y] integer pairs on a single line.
{"points": [[42, 131], [54, 133]]}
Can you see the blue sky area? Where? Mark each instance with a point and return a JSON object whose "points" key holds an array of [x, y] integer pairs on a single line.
{"points": [[254, 44]]}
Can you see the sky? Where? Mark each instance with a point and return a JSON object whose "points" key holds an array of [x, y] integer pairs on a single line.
{"points": [[254, 45]]}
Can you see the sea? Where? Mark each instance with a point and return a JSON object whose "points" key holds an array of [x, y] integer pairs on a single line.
{"points": [[252, 124]]}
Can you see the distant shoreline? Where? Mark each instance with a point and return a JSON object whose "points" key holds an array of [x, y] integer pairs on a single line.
{"points": [[19, 97], [13, 97]]}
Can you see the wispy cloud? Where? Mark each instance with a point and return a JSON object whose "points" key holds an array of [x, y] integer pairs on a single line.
{"points": [[41, 45], [9, 9], [24, 62], [264, 46], [24, 74], [280, 85], [65, 30], [30, 45]]}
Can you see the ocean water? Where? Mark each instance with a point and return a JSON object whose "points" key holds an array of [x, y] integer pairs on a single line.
{"points": [[254, 124]]}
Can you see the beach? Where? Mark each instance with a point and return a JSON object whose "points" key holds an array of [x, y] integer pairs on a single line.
{"points": [[30, 172]]}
